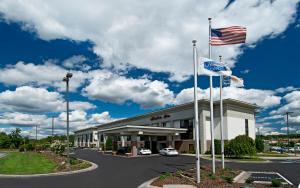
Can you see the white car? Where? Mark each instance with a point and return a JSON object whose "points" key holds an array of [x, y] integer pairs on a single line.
{"points": [[144, 151], [168, 152]]}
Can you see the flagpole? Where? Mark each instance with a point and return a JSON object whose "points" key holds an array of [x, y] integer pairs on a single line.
{"points": [[211, 106], [221, 118], [196, 110]]}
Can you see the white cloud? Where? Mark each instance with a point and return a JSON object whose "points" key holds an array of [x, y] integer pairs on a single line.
{"points": [[286, 89], [79, 105], [292, 104], [22, 119], [267, 118], [290, 129], [245, 71], [29, 99], [110, 87], [75, 116], [37, 100], [154, 35], [77, 61], [101, 118], [47, 74], [262, 98]]}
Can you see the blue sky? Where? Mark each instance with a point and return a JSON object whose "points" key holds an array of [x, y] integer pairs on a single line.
{"points": [[132, 62]]}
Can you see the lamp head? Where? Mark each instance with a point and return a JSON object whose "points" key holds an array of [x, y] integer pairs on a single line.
{"points": [[69, 75]]}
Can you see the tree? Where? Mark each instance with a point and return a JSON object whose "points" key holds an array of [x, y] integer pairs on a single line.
{"points": [[15, 138], [4, 140], [259, 144], [240, 146]]}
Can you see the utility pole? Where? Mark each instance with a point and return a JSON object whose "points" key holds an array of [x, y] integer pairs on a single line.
{"points": [[287, 127], [35, 137], [67, 79], [52, 129]]}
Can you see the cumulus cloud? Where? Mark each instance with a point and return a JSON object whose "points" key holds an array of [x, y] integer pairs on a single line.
{"points": [[75, 116], [286, 89], [43, 75], [101, 118], [292, 104], [37, 100], [29, 99], [79, 105], [109, 87], [21, 119], [154, 35], [77, 61], [262, 98]]}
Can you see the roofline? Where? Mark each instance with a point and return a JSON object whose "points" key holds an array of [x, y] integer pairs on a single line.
{"points": [[184, 105]]}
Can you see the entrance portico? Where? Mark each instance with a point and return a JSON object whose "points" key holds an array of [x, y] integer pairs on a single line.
{"points": [[150, 137]]}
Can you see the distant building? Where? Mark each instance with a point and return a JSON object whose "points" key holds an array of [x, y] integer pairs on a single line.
{"points": [[173, 127]]}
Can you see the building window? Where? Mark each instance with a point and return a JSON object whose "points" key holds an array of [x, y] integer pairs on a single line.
{"points": [[91, 137], [246, 127], [187, 124], [164, 124], [102, 138]]}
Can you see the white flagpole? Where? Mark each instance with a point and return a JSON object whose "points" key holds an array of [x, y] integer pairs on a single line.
{"points": [[221, 119], [211, 107], [196, 110]]}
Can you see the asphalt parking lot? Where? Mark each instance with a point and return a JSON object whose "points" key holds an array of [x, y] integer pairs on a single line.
{"points": [[121, 172]]}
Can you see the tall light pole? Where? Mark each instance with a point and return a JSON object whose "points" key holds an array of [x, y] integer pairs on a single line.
{"points": [[67, 79], [287, 127]]}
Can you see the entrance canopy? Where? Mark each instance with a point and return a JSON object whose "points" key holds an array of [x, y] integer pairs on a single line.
{"points": [[142, 130]]}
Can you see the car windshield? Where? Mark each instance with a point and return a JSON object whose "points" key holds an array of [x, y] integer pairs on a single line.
{"points": [[171, 149]]}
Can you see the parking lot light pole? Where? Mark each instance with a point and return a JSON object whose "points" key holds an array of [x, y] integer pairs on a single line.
{"points": [[67, 79]]}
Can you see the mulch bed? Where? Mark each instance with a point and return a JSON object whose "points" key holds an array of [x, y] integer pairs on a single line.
{"points": [[61, 162], [221, 179]]}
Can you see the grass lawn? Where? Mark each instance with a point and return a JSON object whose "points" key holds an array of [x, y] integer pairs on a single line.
{"points": [[26, 163], [244, 158], [272, 154]]}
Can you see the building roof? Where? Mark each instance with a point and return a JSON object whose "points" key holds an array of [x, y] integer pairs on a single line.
{"points": [[174, 108]]}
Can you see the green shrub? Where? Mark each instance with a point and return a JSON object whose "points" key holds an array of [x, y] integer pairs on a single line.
{"points": [[249, 180], [58, 148], [276, 183], [165, 175], [228, 179], [259, 144], [22, 148], [240, 146], [29, 147], [109, 144], [12, 146], [217, 147]]}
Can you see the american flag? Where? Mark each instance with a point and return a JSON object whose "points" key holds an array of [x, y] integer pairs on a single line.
{"points": [[228, 35]]}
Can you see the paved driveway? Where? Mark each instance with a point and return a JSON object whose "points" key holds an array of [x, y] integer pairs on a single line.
{"points": [[119, 172]]}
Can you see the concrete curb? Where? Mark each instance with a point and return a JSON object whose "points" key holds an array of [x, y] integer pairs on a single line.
{"points": [[93, 167], [147, 184], [238, 161], [2, 154], [241, 177]]}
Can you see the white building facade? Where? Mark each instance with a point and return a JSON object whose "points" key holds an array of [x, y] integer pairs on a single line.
{"points": [[172, 127]]}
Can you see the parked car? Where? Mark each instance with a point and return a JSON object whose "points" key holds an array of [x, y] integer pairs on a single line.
{"points": [[144, 151], [123, 150], [168, 152]]}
